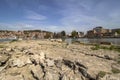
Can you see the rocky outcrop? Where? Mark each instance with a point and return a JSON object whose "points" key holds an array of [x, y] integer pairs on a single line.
{"points": [[37, 72], [20, 61], [111, 77], [35, 63], [43, 68], [3, 59]]}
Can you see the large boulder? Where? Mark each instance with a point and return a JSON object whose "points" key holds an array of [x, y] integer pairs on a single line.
{"points": [[50, 63], [12, 77], [52, 75], [20, 61], [38, 58], [3, 59], [72, 76], [37, 72]]}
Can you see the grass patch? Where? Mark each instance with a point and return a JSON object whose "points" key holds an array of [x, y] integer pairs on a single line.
{"points": [[115, 71], [115, 48], [96, 47], [102, 74], [2, 46], [40, 44], [118, 59], [112, 47]]}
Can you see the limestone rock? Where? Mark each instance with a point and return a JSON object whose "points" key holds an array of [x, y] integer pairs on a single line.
{"points": [[111, 77], [37, 72], [58, 63], [116, 66], [72, 77], [107, 57], [10, 77], [3, 59], [69, 63], [50, 63], [21, 61], [38, 58], [51, 75], [46, 60]]}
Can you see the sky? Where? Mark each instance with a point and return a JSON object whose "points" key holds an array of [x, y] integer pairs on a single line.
{"points": [[58, 15]]}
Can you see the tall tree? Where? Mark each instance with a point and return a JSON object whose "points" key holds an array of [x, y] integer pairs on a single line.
{"points": [[63, 33], [74, 34]]}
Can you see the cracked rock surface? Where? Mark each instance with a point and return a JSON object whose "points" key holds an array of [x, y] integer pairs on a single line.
{"points": [[46, 60]]}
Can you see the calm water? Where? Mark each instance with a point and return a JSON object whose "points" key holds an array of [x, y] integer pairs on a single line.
{"points": [[115, 41], [5, 40]]}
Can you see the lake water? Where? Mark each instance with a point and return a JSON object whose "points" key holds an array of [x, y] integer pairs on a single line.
{"points": [[5, 40], [115, 41]]}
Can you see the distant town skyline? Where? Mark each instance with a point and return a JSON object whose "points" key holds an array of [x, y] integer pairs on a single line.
{"points": [[58, 15]]}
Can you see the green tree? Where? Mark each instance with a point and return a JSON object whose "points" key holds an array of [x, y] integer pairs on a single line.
{"points": [[74, 34], [118, 31], [63, 33]]}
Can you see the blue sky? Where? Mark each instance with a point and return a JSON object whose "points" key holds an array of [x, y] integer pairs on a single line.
{"points": [[57, 15]]}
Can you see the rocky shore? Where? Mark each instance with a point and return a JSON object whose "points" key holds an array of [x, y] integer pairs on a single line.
{"points": [[56, 60]]}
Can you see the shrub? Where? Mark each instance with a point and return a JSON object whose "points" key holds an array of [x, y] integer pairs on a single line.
{"points": [[115, 48], [14, 40], [104, 47], [112, 47], [115, 70], [101, 74], [2, 46], [118, 59], [97, 46]]}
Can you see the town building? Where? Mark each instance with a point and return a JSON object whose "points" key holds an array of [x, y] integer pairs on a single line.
{"points": [[80, 34], [116, 32], [98, 32], [29, 34]]}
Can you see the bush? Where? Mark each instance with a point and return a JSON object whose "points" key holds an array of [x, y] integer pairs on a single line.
{"points": [[112, 47], [115, 71], [101, 74], [14, 40], [104, 47], [118, 59], [97, 46], [115, 48], [2, 46]]}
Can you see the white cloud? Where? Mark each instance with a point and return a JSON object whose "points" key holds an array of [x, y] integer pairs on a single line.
{"points": [[35, 16], [16, 26], [80, 15], [84, 14]]}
